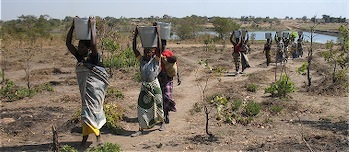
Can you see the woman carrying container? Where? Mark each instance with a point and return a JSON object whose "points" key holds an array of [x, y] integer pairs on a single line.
{"points": [[92, 81], [267, 48], [244, 50], [150, 104], [237, 45]]}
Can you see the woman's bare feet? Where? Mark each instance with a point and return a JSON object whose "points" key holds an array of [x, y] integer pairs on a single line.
{"points": [[162, 126], [138, 133], [99, 140], [83, 142]]}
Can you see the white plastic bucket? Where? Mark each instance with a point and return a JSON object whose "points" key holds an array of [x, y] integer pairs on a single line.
{"points": [[279, 34], [237, 34], [244, 33], [267, 35], [165, 29], [148, 36], [300, 32], [82, 30]]}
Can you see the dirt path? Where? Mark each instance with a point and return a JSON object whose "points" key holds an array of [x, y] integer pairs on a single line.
{"points": [[186, 95]]}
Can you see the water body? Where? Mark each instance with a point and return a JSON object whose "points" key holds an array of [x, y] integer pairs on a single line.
{"points": [[317, 38], [260, 35]]}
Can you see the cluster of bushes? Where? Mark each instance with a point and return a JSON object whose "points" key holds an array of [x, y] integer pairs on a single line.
{"points": [[11, 92]]}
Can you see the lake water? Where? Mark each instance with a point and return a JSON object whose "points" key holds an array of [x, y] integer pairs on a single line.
{"points": [[318, 38], [260, 35]]}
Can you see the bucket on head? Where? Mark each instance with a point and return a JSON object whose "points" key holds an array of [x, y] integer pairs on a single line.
{"points": [[148, 36], [285, 34], [165, 29], [268, 36], [300, 32], [82, 29], [236, 33], [244, 33], [279, 34]]}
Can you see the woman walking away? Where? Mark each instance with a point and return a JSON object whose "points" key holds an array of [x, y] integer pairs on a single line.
{"points": [[92, 81], [267, 48], [237, 45], [150, 104]]}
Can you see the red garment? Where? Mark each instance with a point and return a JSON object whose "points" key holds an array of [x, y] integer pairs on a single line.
{"points": [[166, 53], [237, 48]]}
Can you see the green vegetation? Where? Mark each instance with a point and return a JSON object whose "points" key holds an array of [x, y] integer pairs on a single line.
{"points": [[231, 111], [302, 69], [67, 148], [106, 147], [275, 109], [252, 108], [10, 92], [339, 58], [223, 26], [114, 115], [252, 87], [113, 92], [281, 88]]}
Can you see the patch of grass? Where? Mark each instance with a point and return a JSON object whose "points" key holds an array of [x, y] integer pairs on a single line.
{"points": [[10, 92], [302, 69], [281, 88], [244, 120], [275, 109], [252, 108], [252, 87], [67, 148], [106, 147], [237, 104], [197, 107], [114, 114], [113, 92]]}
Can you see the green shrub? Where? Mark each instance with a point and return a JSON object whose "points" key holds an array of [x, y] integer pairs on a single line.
{"points": [[252, 108], [341, 77], [125, 59], [114, 115], [11, 92], [281, 88], [113, 92], [236, 105], [302, 69], [276, 109], [252, 87], [106, 147], [67, 148], [196, 108]]}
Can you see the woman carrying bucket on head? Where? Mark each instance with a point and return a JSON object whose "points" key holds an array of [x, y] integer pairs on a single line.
{"points": [[91, 75], [237, 45], [150, 104]]}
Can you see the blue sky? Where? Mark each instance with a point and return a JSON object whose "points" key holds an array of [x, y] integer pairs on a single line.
{"points": [[11, 9]]}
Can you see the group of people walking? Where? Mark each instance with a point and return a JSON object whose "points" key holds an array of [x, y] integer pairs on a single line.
{"points": [[239, 40], [158, 67], [283, 51], [155, 100]]}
